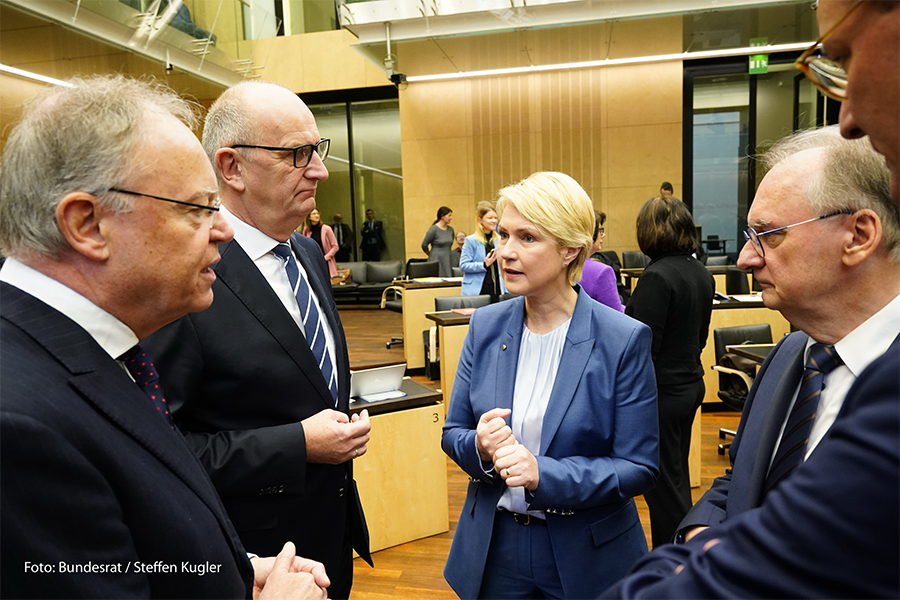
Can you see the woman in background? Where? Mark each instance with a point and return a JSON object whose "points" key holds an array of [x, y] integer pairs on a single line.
{"points": [[552, 415], [478, 261], [598, 279], [438, 241], [324, 236], [674, 297]]}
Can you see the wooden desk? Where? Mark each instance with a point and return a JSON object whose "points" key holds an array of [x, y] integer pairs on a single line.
{"points": [[418, 299], [402, 477], [631, 276], [452, 330], [755, 352]]}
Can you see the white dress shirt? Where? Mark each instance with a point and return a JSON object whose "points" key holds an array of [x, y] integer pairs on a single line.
{"points": [[539, 357], [258, 247], [857, 349]]}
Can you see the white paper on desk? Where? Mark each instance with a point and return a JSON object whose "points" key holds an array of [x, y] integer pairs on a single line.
{"points": [[428, 279], [382, 396], [746, 297], [452, 279]]}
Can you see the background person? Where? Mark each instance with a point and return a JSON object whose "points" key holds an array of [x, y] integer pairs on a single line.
{"points": [[323, 235], [478, 260], [553, 415], [344, 236], [260, 382], [598, 280], [674, 298], [439, 239], [372, 235]]}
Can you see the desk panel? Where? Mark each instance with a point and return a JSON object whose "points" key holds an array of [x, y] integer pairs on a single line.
{"points": [[402, 477], [418, 299]]}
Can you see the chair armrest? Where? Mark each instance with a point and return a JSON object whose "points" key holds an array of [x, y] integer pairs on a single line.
{"points": [[396, 289], [747, 379]]}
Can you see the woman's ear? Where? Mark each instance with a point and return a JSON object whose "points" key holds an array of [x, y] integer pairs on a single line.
{"points": [[80, 218]]}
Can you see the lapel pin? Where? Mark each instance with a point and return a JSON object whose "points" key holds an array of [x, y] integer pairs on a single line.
{"points": [[503, 347]]}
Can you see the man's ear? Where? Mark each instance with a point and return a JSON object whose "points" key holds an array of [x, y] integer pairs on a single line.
{"points": [[864, 237], [229, 168], [80, 219]]}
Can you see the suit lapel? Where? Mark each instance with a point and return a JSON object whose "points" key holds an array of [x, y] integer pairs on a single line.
{"points": [[238, 273], [578, 346], [106, 386], [508, 356]]}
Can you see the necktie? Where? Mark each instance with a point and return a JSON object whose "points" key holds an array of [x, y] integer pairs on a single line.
{"points": [[822, 361], [312, 324], [144, 373], [339, 230]]}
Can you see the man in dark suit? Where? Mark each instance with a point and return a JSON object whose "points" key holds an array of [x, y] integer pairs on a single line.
{"points": [[372, 237], [259, 382], [836, 278], [344, 236], [109, 221]]}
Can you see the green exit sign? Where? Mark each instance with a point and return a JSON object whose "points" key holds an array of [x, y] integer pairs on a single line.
{"points": [[759, 63]]}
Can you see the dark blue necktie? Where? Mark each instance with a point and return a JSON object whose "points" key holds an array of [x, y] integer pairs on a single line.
{"points": [[144, 373], [792, 448], [312, 323]]}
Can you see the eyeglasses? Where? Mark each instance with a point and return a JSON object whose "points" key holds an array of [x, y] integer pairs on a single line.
{"points": [[829, 77], [302, 154], [600, 231], [212, 208], [751, 235]]}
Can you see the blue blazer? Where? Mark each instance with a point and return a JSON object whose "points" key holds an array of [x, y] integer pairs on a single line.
{"points": [[599, 443], [471, 261], [831, 530], [766, 408]]}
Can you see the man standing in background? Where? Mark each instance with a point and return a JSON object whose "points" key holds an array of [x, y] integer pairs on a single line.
{"points": [[344, 236], [372, 237]]}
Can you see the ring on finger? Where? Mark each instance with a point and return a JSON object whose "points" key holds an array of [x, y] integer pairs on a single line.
{"points": [[507, 473], [356, 450]]}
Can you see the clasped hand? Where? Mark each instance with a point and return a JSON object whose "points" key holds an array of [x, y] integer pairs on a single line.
{"points": [[288, 576], [333, 438], [512, 461]]}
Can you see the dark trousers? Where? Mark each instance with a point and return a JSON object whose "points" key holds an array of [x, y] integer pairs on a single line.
{"points": [[670, 500], [372, 254]]}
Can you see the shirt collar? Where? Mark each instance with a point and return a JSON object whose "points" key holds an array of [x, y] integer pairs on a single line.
{"points": [[109, 332], [871, 339], [253, 241]]}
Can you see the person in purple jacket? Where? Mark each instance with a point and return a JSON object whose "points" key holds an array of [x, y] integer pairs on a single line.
{"points": [[598, 279]]}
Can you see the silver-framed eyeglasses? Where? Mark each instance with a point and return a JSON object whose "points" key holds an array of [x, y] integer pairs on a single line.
{"points": [[828, 76], [212, 208], [302, 154], [751, 235]]}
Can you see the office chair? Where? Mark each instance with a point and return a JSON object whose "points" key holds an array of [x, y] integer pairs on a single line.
{"points": [[735, 378], [415, 268], [721, 259], [714, 245], [633, 259], [451, 302], [736, 282]]}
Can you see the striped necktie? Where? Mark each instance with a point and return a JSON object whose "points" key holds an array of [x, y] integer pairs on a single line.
{"points": [[312, 323], [792, 448]]}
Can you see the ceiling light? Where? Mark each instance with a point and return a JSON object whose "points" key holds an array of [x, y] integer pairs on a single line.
{"points": [[35, 76]]}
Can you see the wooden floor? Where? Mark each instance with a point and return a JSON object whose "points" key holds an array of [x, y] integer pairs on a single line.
{"points": [[415, 570]]}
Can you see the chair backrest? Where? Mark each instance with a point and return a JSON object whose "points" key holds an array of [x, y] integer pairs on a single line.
{"points": [[633, 259], [717, 260], [423, 269], [450, 302], [712, 243], [382, 271], [608, 257], [736, 282], [457, 272], [508, 296], [758, 333], [732, 389]]}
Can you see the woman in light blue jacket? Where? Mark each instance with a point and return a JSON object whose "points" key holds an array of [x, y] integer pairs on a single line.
{"points": [[478, 261]]}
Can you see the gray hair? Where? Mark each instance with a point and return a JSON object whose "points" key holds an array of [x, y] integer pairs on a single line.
{"points": [[75, 139], [853, 175], [231, 120]]}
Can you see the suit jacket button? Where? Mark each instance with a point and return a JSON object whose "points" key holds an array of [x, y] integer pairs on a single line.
{"points": [[341, 493]]}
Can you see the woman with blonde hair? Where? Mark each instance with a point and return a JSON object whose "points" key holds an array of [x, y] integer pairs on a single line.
{"points": [[478, 261], [552, 415]]}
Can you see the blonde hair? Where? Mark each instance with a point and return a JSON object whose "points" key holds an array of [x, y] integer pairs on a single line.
{"points": [[559, 208], [483, 208]]}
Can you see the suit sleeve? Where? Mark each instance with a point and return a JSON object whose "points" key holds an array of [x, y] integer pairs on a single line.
{"points": [[470, 260], [40, 527], [240, 462], [632, 466], [649, 304], [830, 530], [458, 438]]}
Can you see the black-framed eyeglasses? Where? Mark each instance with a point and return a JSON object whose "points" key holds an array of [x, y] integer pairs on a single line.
{"points": [[751, 235], [302, 154], [212, 207], [829, 77]]}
